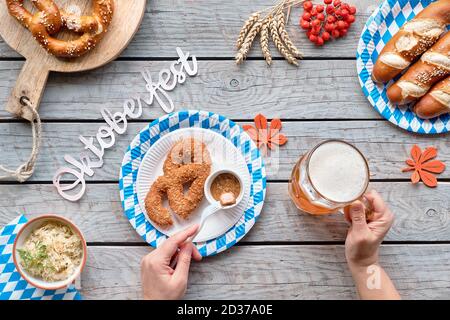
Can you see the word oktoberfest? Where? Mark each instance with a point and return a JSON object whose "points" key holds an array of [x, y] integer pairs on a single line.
{"points": [[117, 123]]}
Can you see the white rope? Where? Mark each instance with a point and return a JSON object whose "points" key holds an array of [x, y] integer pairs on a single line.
{"points": [[24, 171]]}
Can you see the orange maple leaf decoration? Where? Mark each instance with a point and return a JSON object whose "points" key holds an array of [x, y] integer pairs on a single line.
{"points": [[265, 134], [423, 166]]}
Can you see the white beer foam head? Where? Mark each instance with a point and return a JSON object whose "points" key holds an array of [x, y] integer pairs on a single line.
{"points": [[338, 171]]}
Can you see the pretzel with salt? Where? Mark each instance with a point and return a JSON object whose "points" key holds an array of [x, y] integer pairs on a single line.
{"points": [[49, 20], [51, 16]]}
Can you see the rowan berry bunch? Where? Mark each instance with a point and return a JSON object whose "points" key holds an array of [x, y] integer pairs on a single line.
{"points": [[330, 20]]}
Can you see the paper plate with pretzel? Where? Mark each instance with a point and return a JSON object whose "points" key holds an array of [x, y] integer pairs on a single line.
{"points": [[193, 167]]}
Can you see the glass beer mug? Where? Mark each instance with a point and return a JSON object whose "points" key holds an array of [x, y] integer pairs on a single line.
{"points": [[329, 178]]}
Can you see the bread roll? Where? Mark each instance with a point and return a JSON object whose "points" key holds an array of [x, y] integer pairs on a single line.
{"points": [[433, 66], [435, 102], [413, 39]]}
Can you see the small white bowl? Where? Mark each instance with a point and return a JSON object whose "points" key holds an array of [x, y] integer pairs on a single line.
{"points": [[209, 181], [21, 237]]}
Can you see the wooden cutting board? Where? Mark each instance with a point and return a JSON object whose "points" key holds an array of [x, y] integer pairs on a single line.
{"points": [[31, 82]]}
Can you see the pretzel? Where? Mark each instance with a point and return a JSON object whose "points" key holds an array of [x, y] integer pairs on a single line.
{"points": [[49, 20], [183, 165], [51, 17], [184, 152], [80, 24], [182, 204]]}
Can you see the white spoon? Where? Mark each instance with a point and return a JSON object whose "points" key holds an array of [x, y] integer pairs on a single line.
{"points": [[214, 205]]}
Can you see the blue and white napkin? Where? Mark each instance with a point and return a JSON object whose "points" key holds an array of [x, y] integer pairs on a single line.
{"points": [[12, 285]]}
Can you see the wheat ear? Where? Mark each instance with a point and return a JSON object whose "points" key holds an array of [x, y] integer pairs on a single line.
{"points": [[245, 48], [264, 41], [246, 28], [285, 37], [279, 44]]}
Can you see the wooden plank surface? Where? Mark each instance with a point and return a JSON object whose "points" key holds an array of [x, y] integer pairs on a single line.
{"points": [[385, 146], [273, 272], [326, 89], [210, 28], [421, 214]]}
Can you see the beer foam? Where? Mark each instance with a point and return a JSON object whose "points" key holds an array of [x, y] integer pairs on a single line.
{"points": [[338, 171]]}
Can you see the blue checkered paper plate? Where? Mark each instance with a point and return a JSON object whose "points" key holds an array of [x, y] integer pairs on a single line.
{"points": [[385, 21], [12, 285], [192, 119]]}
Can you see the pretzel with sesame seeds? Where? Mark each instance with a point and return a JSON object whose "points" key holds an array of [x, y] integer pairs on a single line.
{"points": [[188, 161], [49, 20]]}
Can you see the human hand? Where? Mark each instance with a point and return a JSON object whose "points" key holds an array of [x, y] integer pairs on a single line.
{"points": [[364, 238], [159, 280]]}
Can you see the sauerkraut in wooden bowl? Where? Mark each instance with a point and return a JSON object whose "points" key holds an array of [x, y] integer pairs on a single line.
{"points": [[49, 252]]}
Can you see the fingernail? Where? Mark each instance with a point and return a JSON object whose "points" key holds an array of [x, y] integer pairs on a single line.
{"points": [[357, 207]]}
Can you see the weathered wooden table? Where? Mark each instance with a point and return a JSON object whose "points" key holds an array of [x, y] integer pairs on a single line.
{"points": [[286, 255]]}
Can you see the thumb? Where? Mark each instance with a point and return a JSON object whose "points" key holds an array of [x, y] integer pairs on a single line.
{"points": [[184, 262], [358, 216]]}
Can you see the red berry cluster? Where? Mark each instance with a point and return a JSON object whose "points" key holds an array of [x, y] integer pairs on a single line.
{"points": [[325, 21]]}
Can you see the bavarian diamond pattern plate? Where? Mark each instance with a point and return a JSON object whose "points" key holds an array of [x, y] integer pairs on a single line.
{"points": [[186, 119], [12, 285], [385, 21]]}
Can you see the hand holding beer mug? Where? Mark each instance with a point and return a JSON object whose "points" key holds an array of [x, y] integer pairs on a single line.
{"points": [[329, 178]]}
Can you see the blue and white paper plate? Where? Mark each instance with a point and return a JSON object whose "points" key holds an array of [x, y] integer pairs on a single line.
{"points": [[385, 21], [188, 119]]}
